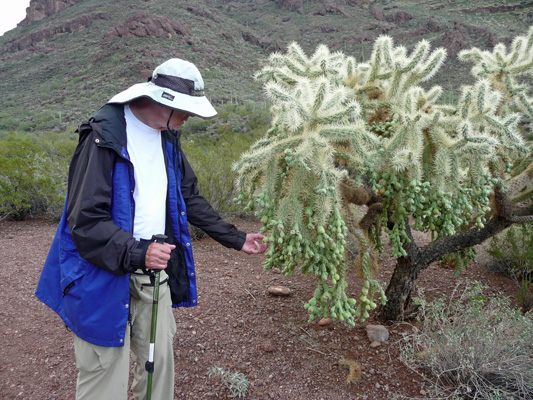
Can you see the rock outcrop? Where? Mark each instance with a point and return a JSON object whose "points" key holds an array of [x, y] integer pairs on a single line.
{"points": [[201, 12], [292, 5], [40, 9], [325, 28], [332, 7], [263, 43], [458, 38], [74, 25], [396, 18], [147, 26], [378, 13], [495, 9]]}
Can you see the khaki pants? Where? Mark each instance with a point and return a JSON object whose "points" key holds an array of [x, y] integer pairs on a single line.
{"points": [[104, 371]]}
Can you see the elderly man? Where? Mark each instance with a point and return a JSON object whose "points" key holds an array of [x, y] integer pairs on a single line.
{"points": [[128, 181]]}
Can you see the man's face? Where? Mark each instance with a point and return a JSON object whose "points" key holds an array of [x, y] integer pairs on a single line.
{"points": [[178, 119]]}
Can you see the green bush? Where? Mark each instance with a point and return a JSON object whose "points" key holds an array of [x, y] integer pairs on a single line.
{"points": [[475, 346], [197, 125], [236, 382], [212, 159], [247, 118], [7, 122], [34, 169], [513, 252], [33, 174]]}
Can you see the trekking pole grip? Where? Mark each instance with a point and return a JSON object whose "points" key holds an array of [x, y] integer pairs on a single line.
{"points": [[160, 238]]}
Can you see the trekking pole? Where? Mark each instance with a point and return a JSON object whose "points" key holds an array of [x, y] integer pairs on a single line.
{"points": [[149, 366]]}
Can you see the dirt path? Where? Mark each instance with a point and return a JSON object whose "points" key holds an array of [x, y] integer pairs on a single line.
{"points": [[237, 326]]}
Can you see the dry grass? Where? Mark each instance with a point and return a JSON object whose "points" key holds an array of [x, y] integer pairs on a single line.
{"points": [[474, 346]]}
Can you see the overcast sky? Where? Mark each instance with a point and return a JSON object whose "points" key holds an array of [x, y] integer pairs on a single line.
{"points": [[11, 13]]}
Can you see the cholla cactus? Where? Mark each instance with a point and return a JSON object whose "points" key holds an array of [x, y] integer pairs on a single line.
{"points": [[501, 67], [347, 134], [294, 171]]}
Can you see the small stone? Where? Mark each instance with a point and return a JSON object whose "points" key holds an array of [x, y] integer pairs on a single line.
{"points": [[375, 344], [11, 236], [325, 322], [279, 291], [276, 271], [377, 333], [268, 347]]}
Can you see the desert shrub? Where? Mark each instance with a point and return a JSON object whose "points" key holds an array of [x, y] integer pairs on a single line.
{"points": [[7, 121], [246, 118], [236, 382], [259, 117], [46, 121], [474, 346], [225, 111], [513, 253], [211, 159], [33, 174], [197, 125]]}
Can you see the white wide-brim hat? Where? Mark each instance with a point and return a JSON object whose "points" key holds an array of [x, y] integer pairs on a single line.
{"points": [[176, 84]]}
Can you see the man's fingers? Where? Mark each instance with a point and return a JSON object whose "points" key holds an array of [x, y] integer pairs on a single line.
{"points": [[253, 245], [158, 255], [256, 236]]}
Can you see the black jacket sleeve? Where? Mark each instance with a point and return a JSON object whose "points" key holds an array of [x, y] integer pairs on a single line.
{"points": [[98, 239], [202, 215]]}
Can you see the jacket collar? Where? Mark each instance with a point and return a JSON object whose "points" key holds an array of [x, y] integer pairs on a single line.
{"points": [[109, 123]]}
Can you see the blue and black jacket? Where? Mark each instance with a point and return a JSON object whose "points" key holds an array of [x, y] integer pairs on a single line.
{"points": [[85, 278]]}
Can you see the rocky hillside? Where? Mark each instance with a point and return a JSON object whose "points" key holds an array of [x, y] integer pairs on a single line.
{"points": [[67, 57]]}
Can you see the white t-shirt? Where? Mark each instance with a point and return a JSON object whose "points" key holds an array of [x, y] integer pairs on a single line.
{"points": [[150, 194]]}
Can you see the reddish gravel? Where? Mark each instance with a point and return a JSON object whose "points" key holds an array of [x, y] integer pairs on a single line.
{"points": [[238, 326]]}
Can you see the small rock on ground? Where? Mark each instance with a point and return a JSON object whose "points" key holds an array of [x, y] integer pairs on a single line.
{"points": [[377, 333], [279, 291]]}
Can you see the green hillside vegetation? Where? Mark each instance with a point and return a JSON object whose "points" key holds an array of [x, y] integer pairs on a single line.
{"points": [[67, 76], [59, 70]]}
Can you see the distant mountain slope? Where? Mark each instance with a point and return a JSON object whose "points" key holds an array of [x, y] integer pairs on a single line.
{"points": [[69, 56]]}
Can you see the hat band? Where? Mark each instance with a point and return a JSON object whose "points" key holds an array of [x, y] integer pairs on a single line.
{"points": [[181, 85]]}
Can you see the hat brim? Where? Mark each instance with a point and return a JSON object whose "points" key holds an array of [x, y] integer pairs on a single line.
{"points": [[195, 105]]}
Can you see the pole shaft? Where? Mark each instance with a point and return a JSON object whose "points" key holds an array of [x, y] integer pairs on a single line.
{"points": [[150, 363]]}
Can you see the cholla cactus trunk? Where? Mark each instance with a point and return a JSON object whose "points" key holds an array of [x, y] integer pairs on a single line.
{"points": [[347, 134]]}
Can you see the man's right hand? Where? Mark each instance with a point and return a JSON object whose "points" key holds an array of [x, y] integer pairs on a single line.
{"points": [[158, 255]]}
